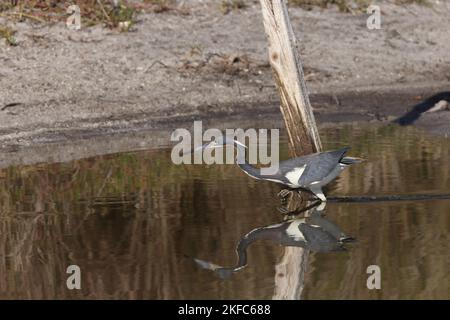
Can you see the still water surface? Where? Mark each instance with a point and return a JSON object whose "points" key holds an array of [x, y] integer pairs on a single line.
{"points": [[132, 222]]}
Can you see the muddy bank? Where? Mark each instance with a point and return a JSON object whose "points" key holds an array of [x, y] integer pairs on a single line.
{"points": [[61, 85], [72, 142]]}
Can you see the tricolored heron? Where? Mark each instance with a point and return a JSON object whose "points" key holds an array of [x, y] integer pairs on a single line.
{"points": [[311, 172]]}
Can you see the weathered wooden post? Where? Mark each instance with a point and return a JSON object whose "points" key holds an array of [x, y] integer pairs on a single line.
{"points": [[288, 71], [300, 124]]}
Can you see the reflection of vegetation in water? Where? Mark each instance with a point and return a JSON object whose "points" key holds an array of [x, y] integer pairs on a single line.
{"points": [[127, 219], [399, 161], [401, 237], [58, 214], [407, 241]]}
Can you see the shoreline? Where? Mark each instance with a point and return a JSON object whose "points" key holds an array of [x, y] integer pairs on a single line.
{"points": [[367, 106], [72, 143]]}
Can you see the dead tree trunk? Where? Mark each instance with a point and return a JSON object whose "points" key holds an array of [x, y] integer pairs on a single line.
{"points": [[288, 72], [300, 124]]}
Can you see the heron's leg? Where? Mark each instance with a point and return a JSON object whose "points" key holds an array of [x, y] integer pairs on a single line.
{"points": [[319, 193], [289, 213], [297, 211], [321, 206]]}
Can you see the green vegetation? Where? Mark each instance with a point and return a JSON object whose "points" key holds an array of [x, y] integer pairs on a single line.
{"points": [[7, 33], [122, 17], [93, 12], [6, 6]]}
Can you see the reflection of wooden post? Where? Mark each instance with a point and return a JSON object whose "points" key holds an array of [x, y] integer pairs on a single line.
{"points": [[290, 271], [290, 274], [300, 124]]}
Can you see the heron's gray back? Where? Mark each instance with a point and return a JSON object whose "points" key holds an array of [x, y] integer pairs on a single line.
{"points": [[329, 226], [318, 165]]}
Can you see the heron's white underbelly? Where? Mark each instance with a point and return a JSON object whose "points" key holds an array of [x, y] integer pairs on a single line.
{"points": [[293, 230], [294, 175]]}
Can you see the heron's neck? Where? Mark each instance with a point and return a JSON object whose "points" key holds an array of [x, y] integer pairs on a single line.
{"points": [[244, 165]]}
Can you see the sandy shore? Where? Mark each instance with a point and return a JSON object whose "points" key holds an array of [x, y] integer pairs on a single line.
{"points": [[59, 84]]}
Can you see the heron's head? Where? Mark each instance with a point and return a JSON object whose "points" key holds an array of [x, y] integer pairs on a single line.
{"points": [[221, 142]]}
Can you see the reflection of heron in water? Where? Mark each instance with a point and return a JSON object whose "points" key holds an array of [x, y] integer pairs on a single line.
{"points": [[315, 233]]}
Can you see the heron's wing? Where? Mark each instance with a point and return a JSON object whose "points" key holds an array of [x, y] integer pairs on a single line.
{"points": [[329, 226], [316, 166], [322, 165], [317, 239]]}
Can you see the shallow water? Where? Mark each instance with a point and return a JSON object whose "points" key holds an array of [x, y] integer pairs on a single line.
{"points": [[132, 222]]}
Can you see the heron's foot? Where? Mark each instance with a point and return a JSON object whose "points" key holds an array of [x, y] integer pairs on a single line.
{"points": [[283, 194], [320, 198], [318, 194], [321, 205]]}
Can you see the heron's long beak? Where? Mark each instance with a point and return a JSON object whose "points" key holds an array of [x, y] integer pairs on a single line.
{"points": [[232, 142], [207, 145], [240, 144], [215, 144]]}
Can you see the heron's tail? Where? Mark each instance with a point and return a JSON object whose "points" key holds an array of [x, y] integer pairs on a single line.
{"points": [[347, 239], [351, 160]]}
